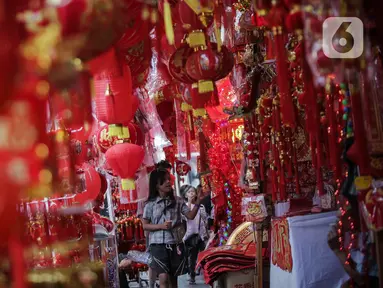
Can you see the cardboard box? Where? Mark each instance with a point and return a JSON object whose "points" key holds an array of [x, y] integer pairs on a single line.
{"points": [[237, 279]]}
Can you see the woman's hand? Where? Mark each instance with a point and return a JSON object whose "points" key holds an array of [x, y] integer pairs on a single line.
{"points": [[124, 264], [166, 226], [200, 196]]}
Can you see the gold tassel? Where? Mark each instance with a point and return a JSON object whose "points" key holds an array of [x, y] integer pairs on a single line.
{"points": [[195, 5], [200, 112], [168, 23], [217, 33], [185, 107], [196, 39], [125, 133], [205, 86]]}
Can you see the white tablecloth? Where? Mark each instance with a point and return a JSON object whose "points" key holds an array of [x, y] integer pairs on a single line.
{"points": [[314, 264]]}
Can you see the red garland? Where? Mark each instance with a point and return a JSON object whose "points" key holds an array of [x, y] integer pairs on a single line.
{"points": [[223, 170]]}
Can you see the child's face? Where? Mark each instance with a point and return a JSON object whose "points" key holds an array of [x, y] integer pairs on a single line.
{"points": [[191, 194]]}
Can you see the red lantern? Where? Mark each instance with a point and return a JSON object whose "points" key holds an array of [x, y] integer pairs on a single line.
{"points": [[105, 141], [177, 64], [125, 159], [204, 66], [169, 92], [92, 183], [114, 101]]}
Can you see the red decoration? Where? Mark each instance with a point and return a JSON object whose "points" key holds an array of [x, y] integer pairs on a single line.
{"points": [[114, 100], [8, 54], [182, 168], [105, 141], [281, 253], [92, 184], [125, 159]]}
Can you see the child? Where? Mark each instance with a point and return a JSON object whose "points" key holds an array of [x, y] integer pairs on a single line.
{"points": [[196, 231]]}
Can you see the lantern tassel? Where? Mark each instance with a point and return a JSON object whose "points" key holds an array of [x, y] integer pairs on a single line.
{"points": [[217, 34], [168, 23], [128, 184]]}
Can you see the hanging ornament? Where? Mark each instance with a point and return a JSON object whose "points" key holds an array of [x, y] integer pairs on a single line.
{"points": [[125, 159], [114, 100]]}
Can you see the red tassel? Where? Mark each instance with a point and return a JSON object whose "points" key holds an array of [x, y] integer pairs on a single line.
{"points": [[359, 133], [191, 125], [187, 144], [202, 149], [297, 185], [274, 185]]}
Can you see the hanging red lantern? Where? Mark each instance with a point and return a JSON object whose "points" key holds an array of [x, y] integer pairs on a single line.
{"points": [[105, 141], [125, 159], [114, 101], [177, 64], [169, 92], [204, 66], [90, 184]]}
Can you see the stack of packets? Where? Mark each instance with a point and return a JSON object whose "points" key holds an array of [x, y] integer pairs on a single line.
{"points": [[219, 260]]}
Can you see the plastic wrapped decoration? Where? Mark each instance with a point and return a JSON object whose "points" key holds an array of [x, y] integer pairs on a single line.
{"points": [[142, 185], [148, 109], [159, 73]]}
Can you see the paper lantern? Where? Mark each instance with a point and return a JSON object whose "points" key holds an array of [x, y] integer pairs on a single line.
{"points": [[125, 159], [204, 66], [105, 141], [114, 101], [177, 64]]}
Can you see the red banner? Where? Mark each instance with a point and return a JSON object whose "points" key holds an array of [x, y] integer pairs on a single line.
{"points": [[281, 249]]}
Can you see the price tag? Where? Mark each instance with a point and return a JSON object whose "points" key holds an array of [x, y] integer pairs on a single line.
{"points": [[363, 182]]}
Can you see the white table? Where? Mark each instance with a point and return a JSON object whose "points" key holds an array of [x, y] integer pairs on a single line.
{"points": [[314, 264]]}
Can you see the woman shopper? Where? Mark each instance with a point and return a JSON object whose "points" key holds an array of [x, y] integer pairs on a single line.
{"points": [[196, 230], [163, 219]]}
